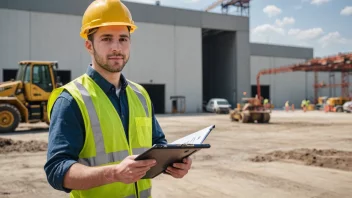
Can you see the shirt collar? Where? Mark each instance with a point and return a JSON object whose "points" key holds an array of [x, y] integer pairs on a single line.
{"points": [[105, 85]]}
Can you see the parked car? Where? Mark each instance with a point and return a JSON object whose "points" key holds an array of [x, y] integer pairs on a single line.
{"points": [[347, 107], [218, 105]]}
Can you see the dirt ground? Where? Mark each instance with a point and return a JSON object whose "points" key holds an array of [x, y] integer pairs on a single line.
{"points": [[296, 155]]}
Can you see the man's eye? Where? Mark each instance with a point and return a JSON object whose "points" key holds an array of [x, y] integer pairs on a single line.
{"points": [[123, 39], [106, 39]]}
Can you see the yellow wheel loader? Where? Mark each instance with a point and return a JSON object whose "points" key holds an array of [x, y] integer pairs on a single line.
{"points": [[24, 99], [334, 104]]}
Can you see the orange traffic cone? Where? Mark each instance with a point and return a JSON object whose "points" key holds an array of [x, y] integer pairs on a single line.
{"points": [[326, 108]]}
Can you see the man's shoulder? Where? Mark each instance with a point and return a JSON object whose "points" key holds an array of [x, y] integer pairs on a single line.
{"points": [[138, 86], [65, 95], [134, 84], [64, 104]]}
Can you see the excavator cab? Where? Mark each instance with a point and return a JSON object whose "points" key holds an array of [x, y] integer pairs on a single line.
{"points": [[25, 98]]}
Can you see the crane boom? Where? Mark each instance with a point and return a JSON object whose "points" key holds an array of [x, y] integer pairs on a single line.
{"points": [[212, 6]]}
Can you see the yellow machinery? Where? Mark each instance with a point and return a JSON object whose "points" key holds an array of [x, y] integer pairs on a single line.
{"points": [[321, 102], [336, 103], [24, 99], [311, 107], [332, 104], [251, 111]]}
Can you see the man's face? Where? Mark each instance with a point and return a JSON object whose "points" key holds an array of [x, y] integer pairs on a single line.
{"points": [[110, 47]]}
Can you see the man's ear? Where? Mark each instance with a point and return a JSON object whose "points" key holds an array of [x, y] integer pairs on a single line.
{"points": [[89, 46]]}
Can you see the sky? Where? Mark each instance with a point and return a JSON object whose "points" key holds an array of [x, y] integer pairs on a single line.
{"points": [[324, 25]]}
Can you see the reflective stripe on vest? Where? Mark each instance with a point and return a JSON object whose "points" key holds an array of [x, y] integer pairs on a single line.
{"points": [[102, 157], [141, 98], [144, 194]]}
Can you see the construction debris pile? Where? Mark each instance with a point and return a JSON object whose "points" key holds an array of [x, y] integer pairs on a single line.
{"points": [[9, 145], [329, 158]]}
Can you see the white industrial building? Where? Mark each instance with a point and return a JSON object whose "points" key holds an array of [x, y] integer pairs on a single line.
{"points": [[175, 52]]}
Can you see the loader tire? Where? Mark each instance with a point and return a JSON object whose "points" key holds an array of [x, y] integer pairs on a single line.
{"points": [[265, 118], [245, 118], [339, 109], [10, 118]]}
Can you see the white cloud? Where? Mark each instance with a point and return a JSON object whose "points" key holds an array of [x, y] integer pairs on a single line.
{"points": [[333, 38], [293, 31], [308, 34], [272, 10], [285, 21], [319, 2], [267, 29], [346, 11]]}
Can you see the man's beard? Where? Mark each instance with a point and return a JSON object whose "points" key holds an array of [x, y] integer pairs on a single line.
{"points": [[105, 64]]}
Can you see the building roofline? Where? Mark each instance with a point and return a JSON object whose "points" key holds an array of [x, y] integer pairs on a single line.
{"points": [[261, 49], [141, 13]]}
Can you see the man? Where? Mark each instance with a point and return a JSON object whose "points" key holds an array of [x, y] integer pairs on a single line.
{"points": [[304, 105], [266, 102], [287, 105], [101, 121]]}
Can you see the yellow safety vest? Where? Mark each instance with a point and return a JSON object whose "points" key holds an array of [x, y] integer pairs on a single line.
{"points": [[266, 101], [105, 139]]}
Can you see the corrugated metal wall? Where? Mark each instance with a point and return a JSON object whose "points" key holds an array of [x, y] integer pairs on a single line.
{"points": [[41, 36], [166, 54]]}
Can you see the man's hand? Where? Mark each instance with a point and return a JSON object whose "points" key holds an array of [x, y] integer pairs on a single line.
{"points": [[130, 171], [179, 170]]}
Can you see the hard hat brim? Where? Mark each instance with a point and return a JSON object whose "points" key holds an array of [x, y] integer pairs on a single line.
{"points": [[85, 30]]}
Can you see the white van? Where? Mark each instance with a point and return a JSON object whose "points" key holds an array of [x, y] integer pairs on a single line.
{"points": [[347, 107], [218, 105]]}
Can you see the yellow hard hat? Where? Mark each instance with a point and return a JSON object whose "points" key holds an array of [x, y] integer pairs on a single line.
{"points": [[104, 13]]}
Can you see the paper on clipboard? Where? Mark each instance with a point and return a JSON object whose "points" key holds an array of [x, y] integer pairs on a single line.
{"points": [[196, 137]]}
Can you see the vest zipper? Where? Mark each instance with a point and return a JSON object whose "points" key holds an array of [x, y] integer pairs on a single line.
{"points": [[135, 184]]}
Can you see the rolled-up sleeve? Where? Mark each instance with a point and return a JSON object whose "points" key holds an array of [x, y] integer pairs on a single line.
{"points": [[65, 141]]}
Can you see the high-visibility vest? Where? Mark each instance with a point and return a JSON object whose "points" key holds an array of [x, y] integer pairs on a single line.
{"points": [[266, 101], [105, 140]]}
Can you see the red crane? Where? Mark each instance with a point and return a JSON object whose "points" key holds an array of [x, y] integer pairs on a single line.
{"points": [[243, 5], [338, 63]]}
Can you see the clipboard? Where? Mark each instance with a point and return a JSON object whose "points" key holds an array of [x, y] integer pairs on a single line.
{"points": [[167, 154]]}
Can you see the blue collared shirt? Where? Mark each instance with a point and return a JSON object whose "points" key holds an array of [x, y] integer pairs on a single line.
{"points": [[67, 131]]}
